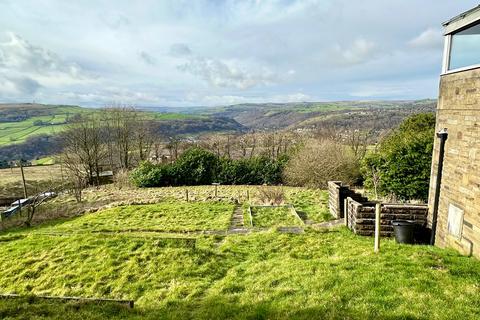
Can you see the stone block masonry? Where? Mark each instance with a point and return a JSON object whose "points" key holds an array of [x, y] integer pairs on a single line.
{"points": [[458, 110], [361, 211], [337, 193], [361, 216]]}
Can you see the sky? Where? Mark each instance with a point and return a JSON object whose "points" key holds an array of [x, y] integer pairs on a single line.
{"points": [[183, 53]]}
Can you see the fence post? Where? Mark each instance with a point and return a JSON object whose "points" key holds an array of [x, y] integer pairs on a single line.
{"points": [[186, 194], [345, 211], [378, 209]]}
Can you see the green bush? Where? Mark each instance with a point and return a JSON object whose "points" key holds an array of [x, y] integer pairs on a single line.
{"points": [[198, 166], [401, 165], [150, 175]]}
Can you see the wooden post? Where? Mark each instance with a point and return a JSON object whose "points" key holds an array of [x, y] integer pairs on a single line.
{"points": [[378, 209], [23, 180], [186, 194], [345, 211], [248, 195], [216, 190]]}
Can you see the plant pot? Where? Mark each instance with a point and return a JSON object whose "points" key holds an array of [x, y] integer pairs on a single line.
{"points": [[404, 231]]}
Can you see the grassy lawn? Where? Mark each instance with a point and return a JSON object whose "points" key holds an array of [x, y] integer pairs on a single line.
{"points": [[311, 204], [329, 274], [326, 274], [164, 216], [267, 217]]}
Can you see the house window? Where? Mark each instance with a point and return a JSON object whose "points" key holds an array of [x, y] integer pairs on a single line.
{"points": [[465, 48]]}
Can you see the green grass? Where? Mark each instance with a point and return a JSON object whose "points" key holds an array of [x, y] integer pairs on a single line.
{"points": [[322, 274], [329, 275], [164, 216], [310, 204], [266, 217], [174, 116], [17, 132], [44, 161]]}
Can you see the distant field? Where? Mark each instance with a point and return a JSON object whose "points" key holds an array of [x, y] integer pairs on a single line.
{"points": [[52, 122], [37, 177]]}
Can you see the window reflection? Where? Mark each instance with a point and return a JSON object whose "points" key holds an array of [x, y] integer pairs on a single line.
{"points": [[465, 48]]}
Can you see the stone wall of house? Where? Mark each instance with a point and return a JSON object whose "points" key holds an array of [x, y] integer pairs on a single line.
{"points": [[459, 208], [337, 193], [361, 216]]}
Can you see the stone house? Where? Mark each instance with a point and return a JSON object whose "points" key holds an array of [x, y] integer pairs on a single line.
{"points": [[454, 201]]}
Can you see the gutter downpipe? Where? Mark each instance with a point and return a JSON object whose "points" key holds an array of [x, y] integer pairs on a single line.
{"points": [[443, 135]]}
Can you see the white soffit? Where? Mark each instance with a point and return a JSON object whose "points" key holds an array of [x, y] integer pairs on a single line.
{"points": [[465, 19]]}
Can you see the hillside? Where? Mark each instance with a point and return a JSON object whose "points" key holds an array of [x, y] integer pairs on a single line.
{"points": [[19, 122], [29, 130], [376, 114]]}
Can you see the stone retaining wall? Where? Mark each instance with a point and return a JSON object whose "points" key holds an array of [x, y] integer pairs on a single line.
{"points": [[337, 193], [361, 216], [361, 212]]}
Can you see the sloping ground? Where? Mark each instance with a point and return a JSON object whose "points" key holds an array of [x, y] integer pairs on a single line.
{"points": [[267, 275], [376, 115], [124, 253]]}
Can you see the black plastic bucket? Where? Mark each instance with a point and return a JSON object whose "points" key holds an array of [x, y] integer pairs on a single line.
{"points": [[404, 231]]}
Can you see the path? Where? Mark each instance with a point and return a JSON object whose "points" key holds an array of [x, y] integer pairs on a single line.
{"points": [[237, 224], [328, 224]]}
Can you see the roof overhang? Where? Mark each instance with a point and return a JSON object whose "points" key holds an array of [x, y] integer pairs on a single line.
{"points": [[462, 20]]}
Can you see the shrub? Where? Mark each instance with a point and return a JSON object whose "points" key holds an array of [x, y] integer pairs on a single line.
{"points": [[196, 166], [271, 195], [401, 166], [121, 179], [150, 175], [199, 166], [317, 162]]}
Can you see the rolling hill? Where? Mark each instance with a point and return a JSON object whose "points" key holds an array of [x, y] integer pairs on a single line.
{"points": [[31, 130], [18, 122]]}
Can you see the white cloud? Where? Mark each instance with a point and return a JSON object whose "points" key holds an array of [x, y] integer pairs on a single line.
{"points": [[360, 51], [19, 55], [428, 39], [25, 68], [216, 100], [228, 74], [11, 87], [180, 50], [248, 50], [147, 58]]}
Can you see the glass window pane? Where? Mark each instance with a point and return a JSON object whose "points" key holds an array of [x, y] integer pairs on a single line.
{"points": [[465, 50]]}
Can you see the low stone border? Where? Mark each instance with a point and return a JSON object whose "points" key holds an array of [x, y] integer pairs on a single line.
{"points": [[290, 206], [129, 303]]}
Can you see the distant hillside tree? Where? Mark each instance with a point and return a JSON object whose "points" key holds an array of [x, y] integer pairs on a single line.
{"points": [[401, 164]]}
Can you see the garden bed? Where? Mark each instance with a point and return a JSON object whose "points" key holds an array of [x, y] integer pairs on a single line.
{"points": [[274, 216]]}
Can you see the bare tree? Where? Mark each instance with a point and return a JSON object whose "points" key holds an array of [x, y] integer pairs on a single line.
{"points": [[357, 140], [84, 148], [320, 161], [37, 200]]}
